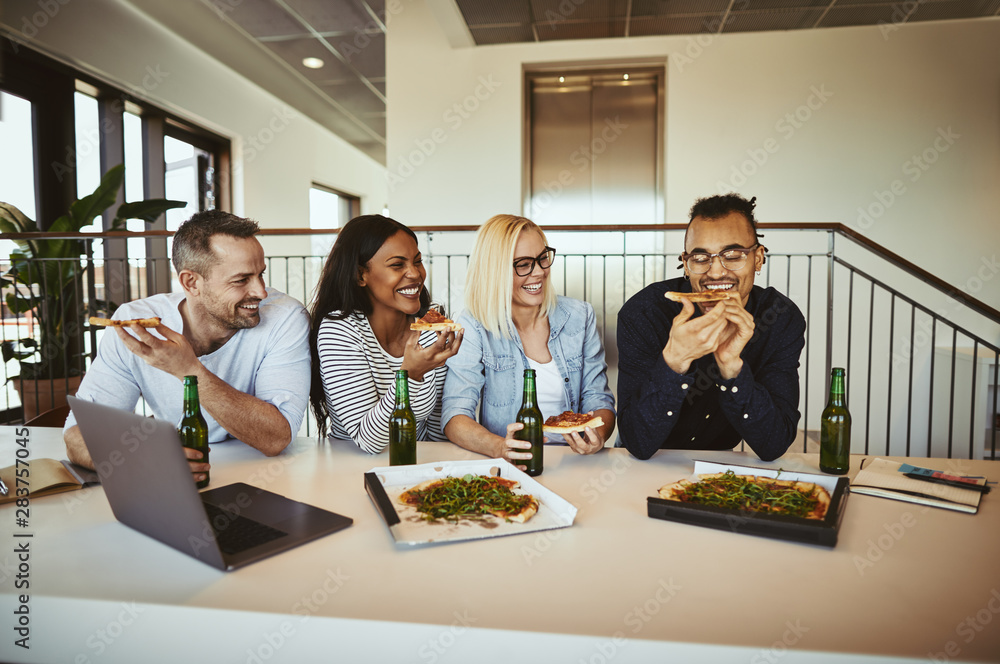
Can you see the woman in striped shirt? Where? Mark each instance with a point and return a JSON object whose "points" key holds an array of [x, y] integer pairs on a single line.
{"points": [[371, 289]]}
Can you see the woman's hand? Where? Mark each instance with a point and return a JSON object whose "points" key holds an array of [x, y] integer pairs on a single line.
{"points": [[512, 449], [589, 442], [418, 360]]}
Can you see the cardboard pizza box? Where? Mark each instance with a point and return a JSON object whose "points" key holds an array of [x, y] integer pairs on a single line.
{"points": [[408, 527], [777, 526]]}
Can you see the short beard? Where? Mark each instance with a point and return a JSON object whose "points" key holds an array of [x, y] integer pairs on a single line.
{"points": [[236, 322]]}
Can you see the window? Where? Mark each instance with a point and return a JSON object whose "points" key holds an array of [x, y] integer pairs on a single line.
{"points": [[329, 209], [17, 183]]}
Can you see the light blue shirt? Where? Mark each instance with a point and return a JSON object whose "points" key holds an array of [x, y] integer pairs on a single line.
{"points": [[488, 371], [270, 361]]}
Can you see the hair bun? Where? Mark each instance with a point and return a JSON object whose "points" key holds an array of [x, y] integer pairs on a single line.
{"points": [[753, 202]]}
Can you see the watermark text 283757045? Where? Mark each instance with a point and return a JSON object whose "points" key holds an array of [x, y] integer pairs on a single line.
{"points": [[22, 546]]}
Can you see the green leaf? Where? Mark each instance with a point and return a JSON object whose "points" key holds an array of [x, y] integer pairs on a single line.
{"points": [[149, 211], [83, 211], [13, 220], [10, 350]]}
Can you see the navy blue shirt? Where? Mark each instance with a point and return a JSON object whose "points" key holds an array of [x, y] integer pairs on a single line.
{"points": [[660, 408]]}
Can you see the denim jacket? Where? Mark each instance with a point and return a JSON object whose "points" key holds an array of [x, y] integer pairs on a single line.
{"points": [[490, 369]]}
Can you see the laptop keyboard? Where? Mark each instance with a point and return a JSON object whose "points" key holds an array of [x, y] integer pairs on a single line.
{"points": [[238, 533]]}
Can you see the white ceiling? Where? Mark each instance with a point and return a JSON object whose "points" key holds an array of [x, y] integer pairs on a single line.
{"points": [[266, 40]]}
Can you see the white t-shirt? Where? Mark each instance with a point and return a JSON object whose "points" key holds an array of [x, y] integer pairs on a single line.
{"points": [[550, 392]]}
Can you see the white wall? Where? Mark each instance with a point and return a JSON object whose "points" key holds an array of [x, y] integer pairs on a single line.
{"points": [[277, 152], [880, 96]]}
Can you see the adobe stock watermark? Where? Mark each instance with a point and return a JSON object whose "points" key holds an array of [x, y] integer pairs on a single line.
{"points": [[983, 273], [582, 157], [695, 45], [786, 126], [102, 639], [47, 10], [307, 605], [129, 442], [792, 635], [436, 646], [636, 619], [540, 545], [879, 546], [454, 117], [89, 140], [362, 34], [901, 13], [256, 143], [969, 628], [914, 168]]}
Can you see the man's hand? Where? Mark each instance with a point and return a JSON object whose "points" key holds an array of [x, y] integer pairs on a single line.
{"points": [[691, 339], [418, 360], [738, 332], [199, 469], [172, 354]]}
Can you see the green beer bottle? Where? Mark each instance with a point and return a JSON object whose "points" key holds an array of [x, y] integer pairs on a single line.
{"points": [[402, 425], [835, 429], [193, 428], [531, 417]]}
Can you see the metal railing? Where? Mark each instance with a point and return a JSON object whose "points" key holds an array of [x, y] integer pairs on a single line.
{"points": [[921, 356]]}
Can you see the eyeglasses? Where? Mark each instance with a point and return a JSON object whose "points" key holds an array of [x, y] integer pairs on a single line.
{"points": [[525, 266], [733, 259]]}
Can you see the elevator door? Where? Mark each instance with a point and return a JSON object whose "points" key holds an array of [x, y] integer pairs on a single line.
{"points": [[594, 148]]}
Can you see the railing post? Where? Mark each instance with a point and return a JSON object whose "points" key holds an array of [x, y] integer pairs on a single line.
{"points": [[430, 255], [829, 304]]}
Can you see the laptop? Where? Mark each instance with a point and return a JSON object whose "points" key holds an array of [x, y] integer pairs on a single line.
{"points": [[150, 488]]}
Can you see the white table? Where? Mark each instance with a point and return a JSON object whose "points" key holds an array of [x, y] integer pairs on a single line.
{"points": [[903, 582]]}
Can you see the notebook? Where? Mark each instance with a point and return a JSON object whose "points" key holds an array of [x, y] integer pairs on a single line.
{"points": [[48, 476], [150, 488], [885, 479]]}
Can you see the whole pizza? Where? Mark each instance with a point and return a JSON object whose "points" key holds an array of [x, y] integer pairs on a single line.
{"points": [[752, 494], [470, 497]]}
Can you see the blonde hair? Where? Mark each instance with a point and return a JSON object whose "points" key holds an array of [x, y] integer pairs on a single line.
{"points": [[489, 282]]}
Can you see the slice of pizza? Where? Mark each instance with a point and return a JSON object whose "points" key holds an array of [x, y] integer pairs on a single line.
{"points": [[520, 514], [128, 322], [568, 422], [470, 497], [699, 296], [433, 320], [821, 495]]}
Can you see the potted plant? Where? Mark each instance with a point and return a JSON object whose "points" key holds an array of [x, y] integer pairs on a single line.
{"points": [[45, 281]]}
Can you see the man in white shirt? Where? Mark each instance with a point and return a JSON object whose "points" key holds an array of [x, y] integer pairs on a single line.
{"points": [[247, 344]]}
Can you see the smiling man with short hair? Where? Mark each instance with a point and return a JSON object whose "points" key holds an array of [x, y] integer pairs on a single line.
{"points": [[707, 375], [246, 343]]}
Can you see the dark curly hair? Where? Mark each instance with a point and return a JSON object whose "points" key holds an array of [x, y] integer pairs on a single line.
{"points": [[716, 207], [338, 294]]}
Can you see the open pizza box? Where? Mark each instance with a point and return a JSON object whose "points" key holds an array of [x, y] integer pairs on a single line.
{"points": [[778, 526], [408, 527]]}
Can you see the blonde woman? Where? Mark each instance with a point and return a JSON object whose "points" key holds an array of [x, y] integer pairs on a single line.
{"points": [[514, 321]]}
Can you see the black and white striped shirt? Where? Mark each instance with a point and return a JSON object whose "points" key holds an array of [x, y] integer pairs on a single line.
{"points": [[359, 383]]}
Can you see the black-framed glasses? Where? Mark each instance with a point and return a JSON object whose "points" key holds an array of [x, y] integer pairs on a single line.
{"points": [[734, 258], [525, 266]]}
